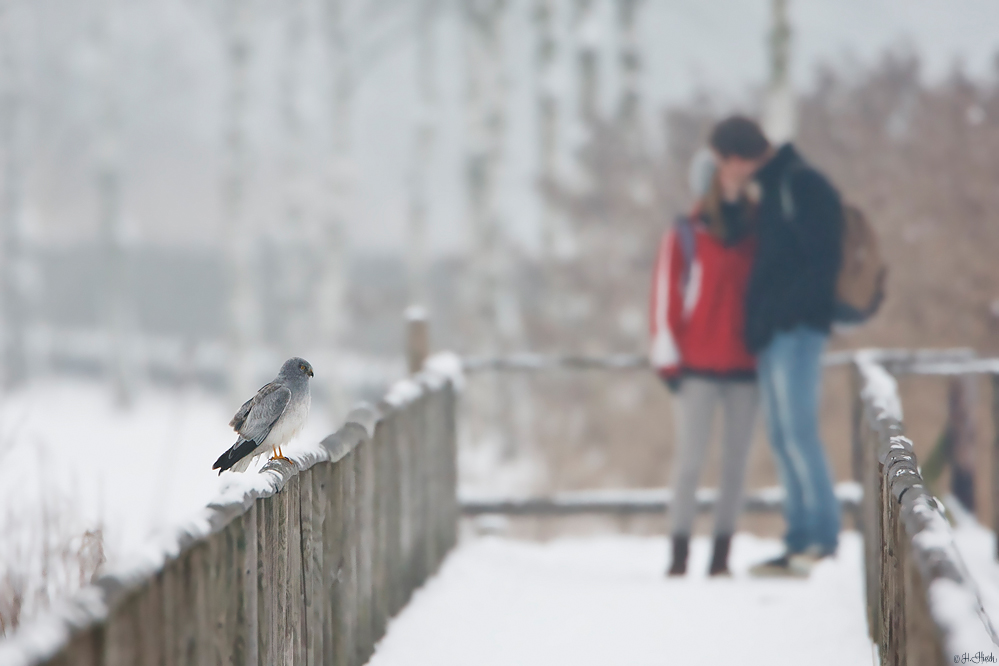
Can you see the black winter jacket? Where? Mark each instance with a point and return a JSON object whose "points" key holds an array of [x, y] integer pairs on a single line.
{"points": [[793, 282]]}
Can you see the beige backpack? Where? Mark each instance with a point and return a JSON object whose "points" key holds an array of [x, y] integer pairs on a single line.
{"points": [[860, 285]]}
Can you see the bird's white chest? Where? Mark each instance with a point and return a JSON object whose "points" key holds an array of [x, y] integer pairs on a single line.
{"points": [[289, 425]]}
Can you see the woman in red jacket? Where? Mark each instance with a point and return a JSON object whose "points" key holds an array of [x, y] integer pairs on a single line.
{"points": [[698, 293]]}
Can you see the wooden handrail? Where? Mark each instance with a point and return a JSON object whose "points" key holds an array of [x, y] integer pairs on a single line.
{"points": [[626, 502], [900, 361], [301, 563], [921, 601]]}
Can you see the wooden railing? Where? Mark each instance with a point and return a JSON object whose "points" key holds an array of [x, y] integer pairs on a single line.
{"points": [[896, 359], [303, 563], [636, 501], [624, 502], [922, 605]]}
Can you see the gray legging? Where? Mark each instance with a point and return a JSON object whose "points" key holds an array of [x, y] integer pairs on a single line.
{"points": [[694, 411]]}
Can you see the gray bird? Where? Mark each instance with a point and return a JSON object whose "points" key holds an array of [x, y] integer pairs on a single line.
{"points": [[270, 419]]}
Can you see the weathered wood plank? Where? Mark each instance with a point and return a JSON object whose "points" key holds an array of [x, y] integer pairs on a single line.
{"points": [[171, 608], [219, 573], [449, 464], [246, 647], [407, 505], [349, 632], [266, 590], [84, 649], [283, 649], [335, 539], [152, 646], [185, 611], [204, 628], [364, 504], [391, 490], [379, 539], [311, 557], [295, 631], [995, 459], [121, 635]]}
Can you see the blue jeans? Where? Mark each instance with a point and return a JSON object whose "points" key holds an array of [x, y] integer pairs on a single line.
{"points": [[790, 370]]}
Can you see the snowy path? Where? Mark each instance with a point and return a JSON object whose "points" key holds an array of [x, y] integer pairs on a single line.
{"points": [[605, 601]]}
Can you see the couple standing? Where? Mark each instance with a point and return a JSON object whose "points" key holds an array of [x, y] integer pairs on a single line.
{"points": [[743, 299]]}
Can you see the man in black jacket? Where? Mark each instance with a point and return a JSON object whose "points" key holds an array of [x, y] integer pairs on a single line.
{"points": [[789, 312]]}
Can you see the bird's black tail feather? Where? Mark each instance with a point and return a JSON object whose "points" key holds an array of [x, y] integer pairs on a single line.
{"points": [[237, 452]]}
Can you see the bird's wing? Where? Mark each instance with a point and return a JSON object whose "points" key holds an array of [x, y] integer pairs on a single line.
{"points": [[253, 422], [265, 409], [240, 418]]}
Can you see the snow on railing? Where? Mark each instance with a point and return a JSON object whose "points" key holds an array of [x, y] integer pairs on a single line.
{"points": [[921, 600], [301, 563]]}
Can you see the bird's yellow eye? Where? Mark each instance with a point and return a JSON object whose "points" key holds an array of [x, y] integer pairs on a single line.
{"points": [[302, 368]]}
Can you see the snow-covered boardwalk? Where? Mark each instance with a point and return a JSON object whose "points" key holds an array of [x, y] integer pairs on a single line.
{"points": [[604, 600]]}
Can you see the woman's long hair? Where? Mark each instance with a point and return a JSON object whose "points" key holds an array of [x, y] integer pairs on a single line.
{"points": [[709, 210]]}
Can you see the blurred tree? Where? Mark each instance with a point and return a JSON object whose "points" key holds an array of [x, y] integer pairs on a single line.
{"points": [[118, 318], [13, 308], [779, 110], [497, 313], [630, 65], [295, 237], [495, 306], [424, 131], [339, 189], [586, 26], [238, 236], [545, 52]]}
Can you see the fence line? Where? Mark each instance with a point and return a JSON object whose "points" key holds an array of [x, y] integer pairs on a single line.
{"points": [[635, 501], [303, 563], [922, 605], [898, 360], [954, 361]]}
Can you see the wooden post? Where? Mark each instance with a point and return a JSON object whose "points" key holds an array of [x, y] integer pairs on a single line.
{"points": [[871, 525], [961, 425], [892, 641], [417, 338], [856, 418], [995, 459]]}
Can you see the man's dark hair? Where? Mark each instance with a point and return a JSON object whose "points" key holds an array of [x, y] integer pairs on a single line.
{"points": [[739, 136]]}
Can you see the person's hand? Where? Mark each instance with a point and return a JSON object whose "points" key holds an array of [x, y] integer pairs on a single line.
{"points": [[671, 380]]}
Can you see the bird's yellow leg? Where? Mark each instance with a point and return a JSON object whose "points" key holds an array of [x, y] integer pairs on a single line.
{"points": [[278, 454]]}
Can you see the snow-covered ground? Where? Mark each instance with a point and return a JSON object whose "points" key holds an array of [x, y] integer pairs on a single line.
{"points": [[977, 546], [606, 601], [72, 461]]}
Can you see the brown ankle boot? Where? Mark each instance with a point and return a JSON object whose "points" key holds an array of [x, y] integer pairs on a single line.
{"points": [[719, 556], [681, 547]]}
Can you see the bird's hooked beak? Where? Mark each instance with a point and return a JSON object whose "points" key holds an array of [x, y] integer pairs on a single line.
{"points": [[311, 374]]}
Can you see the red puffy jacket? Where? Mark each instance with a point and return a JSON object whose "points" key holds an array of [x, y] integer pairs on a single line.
{"points": [[698, 303]]}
